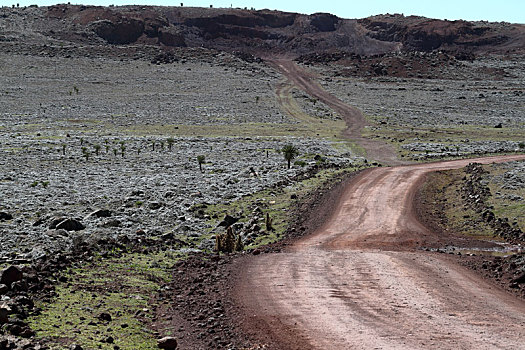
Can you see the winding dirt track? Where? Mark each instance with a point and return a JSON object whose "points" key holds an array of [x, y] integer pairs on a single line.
{"points": [[359, 283], [353, 117]]}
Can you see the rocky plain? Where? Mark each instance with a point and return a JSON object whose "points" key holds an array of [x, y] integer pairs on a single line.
{"points": [[120, 127]]}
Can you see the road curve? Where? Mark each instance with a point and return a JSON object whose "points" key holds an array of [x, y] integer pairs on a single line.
{"points": [[359, 283], [355, 121]]}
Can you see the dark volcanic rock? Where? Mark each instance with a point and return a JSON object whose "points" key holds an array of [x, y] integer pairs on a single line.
{"points": [[228, 221], [324, 22], [70, 225], [5, 216], [3, 316], [101, 213], [10, 275], [168, 343], [171, 37]]}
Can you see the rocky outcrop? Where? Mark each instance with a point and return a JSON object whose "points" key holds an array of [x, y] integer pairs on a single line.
{"points": [[170, 36], [423, 34], [324, 22], [123, 31], [476, 193]]}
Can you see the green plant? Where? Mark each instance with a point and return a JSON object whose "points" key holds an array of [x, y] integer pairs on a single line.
{"points": [[115, 152], [138, 204], [44, 183], [300, 163], [122, 148], [64, 149], [268, 222], [289, 153], [521, 145], [170, 142], [34, 184], [201, 160], [228, 242], [97, 149]]}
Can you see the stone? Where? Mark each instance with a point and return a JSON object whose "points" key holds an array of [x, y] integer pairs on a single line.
{"points": [[70, 225], [171, 37], [10, 275], [100, 213], [3, 315], [112, 223], [3, 289], [5, 216], [168, 343], [55, 222], [121, 31], [104, 316], [228, 221], [75, 347]]}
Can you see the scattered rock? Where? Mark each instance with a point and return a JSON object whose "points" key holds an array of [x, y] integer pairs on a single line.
{"points": [[100, 213], [168, 343], [104, 316]]}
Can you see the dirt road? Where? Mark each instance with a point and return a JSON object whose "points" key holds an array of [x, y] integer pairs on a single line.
{"points": [[353, 117], [358, 282]]}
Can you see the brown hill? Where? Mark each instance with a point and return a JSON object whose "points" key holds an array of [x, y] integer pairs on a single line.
{"points": [[261, 33]]}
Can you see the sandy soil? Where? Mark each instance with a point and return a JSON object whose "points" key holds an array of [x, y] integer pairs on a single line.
{"points": [[359, 282]]}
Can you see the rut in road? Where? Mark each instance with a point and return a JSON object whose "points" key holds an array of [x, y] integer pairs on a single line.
{"points": [[358, 282]]}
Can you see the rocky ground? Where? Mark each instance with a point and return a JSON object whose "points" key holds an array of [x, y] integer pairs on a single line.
{"points": [[475, 107]]}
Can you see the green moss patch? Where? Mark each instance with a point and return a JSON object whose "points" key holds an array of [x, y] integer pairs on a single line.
{"points": [[120, 286]]}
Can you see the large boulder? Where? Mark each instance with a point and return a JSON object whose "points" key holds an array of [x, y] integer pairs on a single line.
{"points": [[122, 31], [10, 275]]}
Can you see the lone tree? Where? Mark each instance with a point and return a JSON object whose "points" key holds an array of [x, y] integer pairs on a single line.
{"points": [[289, 152], [201, 159]]}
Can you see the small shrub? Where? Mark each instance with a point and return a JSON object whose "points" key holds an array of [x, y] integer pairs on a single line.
{"points": [[201, 159]]}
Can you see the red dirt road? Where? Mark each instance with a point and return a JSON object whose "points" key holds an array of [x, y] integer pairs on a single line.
{"points": [[358, 283]]}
